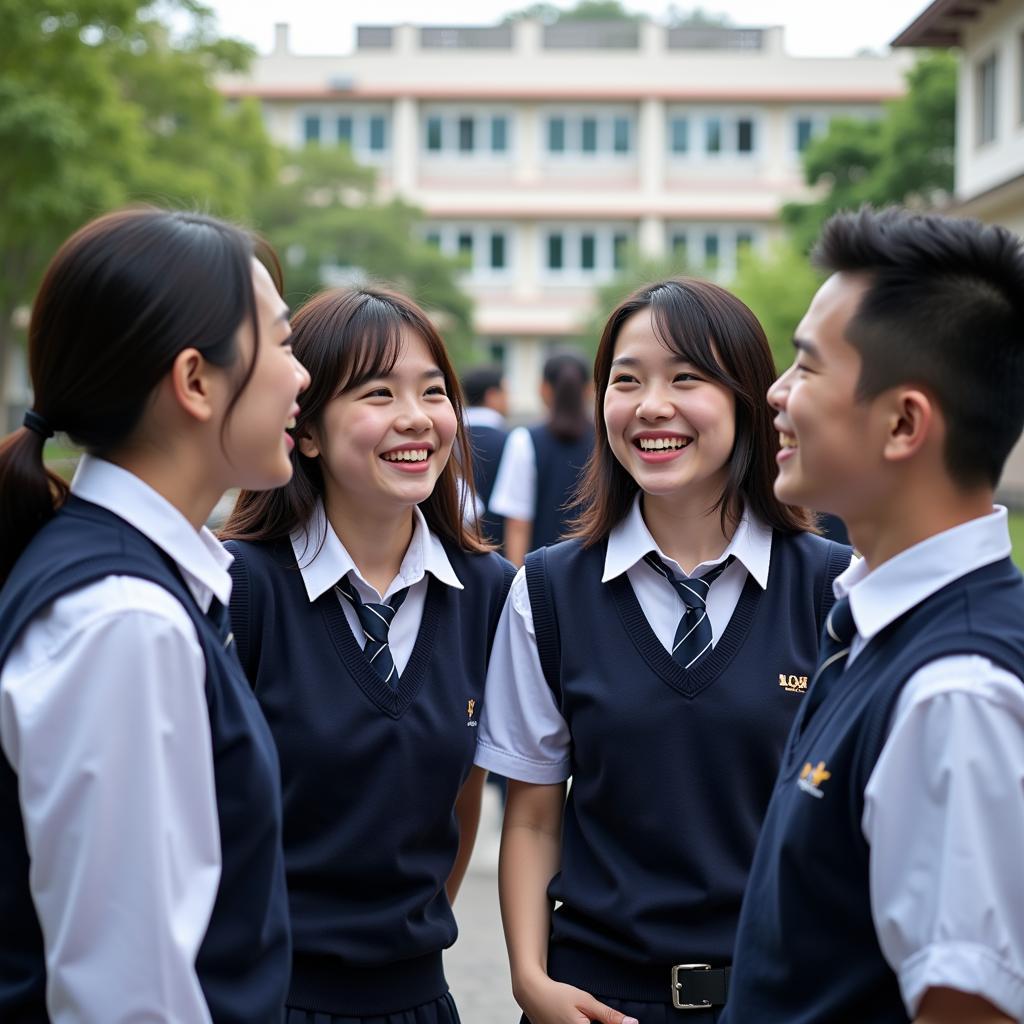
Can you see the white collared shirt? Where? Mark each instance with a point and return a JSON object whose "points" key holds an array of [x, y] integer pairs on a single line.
{"points": [[322, 569], [944, 806], [484, 416], [514, 494], [103, 717], [522, 733]]}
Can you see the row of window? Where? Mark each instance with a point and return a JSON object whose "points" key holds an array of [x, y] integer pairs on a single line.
{"points": [[577, 135], [586, 250]]}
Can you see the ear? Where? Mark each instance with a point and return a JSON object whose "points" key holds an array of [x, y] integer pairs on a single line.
{"points": [[192, 385], [912, 422], [308, 444]]}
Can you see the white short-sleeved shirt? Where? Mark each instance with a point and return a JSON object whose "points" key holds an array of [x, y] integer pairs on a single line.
{"points": [[103, 718], [515, 486], [324, 565], [944, 806], [522, 732]]}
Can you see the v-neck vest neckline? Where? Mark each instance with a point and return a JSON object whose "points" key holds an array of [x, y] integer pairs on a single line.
{"points": [[689, 682], [393, 701]]}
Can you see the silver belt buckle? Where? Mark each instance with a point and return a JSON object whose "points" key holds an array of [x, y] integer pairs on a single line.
{"points": [[677, 987]]}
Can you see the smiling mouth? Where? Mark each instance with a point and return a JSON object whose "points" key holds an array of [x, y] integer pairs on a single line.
{"points": [[662, 444], [290, 425], [408, 455], [788, 441]]}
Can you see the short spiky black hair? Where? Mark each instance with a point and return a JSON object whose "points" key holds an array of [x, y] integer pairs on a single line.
{"points": [[944, 310]]}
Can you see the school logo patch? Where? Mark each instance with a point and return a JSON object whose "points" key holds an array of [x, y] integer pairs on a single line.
{"points": [[470, 710], [793, 684], [812, 777]]}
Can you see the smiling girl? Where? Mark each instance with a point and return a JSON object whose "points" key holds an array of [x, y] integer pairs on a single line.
{"points": [[657, 658], [364, 613], [140, 808]]}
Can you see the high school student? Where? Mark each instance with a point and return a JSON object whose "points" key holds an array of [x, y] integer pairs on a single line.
{"points": [[657, 658], [364, 611], [140, 813]]}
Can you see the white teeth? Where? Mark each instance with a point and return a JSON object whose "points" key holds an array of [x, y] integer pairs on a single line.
{"points": [[655, 444], [412, 455], [290, 425], [787, 441]]}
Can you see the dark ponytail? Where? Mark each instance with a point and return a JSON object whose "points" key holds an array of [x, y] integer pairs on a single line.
{"points": [[121, 298], [567, 374]]}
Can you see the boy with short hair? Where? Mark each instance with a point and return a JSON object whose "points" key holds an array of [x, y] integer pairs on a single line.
{"points": [[888, 883]]}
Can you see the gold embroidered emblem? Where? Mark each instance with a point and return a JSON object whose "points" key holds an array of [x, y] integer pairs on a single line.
{"points": [[793, 684], [811, 778], [470, 708]]}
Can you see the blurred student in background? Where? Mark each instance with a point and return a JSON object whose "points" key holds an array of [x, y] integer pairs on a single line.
{"points": [[486, 409]]}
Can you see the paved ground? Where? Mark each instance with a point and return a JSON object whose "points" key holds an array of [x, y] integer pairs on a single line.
{"points": [[476, 965]]}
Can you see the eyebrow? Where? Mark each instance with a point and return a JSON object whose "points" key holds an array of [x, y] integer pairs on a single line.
{"points": [[284, 315], [630, 361], [807, 347]]}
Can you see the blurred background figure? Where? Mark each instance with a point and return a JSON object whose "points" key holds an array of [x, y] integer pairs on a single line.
{"points": [[486, 409], [833, 528], [541, 465]]}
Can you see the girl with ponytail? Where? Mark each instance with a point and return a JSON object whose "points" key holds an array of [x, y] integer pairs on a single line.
{"points": [[139, 797]]}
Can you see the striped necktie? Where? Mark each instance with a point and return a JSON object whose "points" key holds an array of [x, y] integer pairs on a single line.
{"points": [[376, 622], [218, 614], [833, 650], [693, 634]]}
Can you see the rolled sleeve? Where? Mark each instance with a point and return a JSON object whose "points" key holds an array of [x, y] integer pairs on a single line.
{"points": [[109, 736], [523, 735], [515, 485], [944, 817]]}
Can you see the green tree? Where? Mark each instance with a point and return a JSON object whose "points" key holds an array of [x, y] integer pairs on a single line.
{"points": [[904, 157], [322, 217], [584, 10], [100, 105]]}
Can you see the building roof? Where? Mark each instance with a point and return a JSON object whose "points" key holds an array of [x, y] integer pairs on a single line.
{"points": [[941, 23]]}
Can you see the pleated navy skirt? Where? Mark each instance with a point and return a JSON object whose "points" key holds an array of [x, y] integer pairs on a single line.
{"points": [[437, 1011]]}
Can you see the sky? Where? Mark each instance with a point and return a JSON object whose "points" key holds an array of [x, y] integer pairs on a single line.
{"points": [[827, 28]]}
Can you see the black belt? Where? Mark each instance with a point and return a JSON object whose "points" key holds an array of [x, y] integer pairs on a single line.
{"points": [[699, 986]]}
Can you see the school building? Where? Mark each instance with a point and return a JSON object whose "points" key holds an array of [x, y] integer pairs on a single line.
{"points": [[546, 152], [989, 175]]}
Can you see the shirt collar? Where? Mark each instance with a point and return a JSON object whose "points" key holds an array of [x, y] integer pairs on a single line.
{"points": [[880, 597], [484, 416], [322, 565], [630, 540], [202, 559]]}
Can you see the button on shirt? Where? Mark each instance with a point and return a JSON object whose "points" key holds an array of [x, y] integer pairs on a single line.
{"points": [[522, 733], [103, 717], [944, 806], [323, 565]]}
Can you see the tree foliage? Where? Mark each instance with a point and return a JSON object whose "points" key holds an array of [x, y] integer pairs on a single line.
{"points": [[584, 10], [905, 157], [322, 217]]}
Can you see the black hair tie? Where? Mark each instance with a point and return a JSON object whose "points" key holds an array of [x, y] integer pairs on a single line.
{"points": [[37, 424]]}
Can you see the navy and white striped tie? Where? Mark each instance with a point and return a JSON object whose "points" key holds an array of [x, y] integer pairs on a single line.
{"points": [[693, 634], [833, 650], [376, 622]]}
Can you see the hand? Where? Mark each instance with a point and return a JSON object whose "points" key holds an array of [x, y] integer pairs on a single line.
{"points": [[551, 1002]]}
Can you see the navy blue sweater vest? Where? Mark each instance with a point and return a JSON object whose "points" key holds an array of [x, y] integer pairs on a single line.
{"points": [[370, 774], [488, 443], [672, 769], [559, 467], [244, 959], [807, 951]]}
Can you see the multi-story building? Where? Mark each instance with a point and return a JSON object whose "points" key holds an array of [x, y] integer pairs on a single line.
{"points": [[547, 152], [989, 175]]}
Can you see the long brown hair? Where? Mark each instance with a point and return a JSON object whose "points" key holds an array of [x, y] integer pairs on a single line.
{"points": [[713, 330], [120, 299], [344, 337]]}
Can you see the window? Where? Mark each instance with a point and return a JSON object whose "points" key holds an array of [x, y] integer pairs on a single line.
{"points": [[556, 134], [744, 240], [620, 134], [679, 254], [711, 249], [745, 135], [804, 133], [497, 250], [311, 128], [464, 244], [499, 134], [343, 127], [986, 84], [378, 134], [680, 134], [433, 239], [434, 135], [555, 255], [713, 135], [588, 135], [465, 135], [588, 252], [619, 244]]}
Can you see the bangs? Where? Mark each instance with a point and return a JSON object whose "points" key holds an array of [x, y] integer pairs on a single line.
{"points": [[374, 344]]}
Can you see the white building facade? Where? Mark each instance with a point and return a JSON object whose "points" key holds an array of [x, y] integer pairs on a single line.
{"points": [[547, 153]]}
